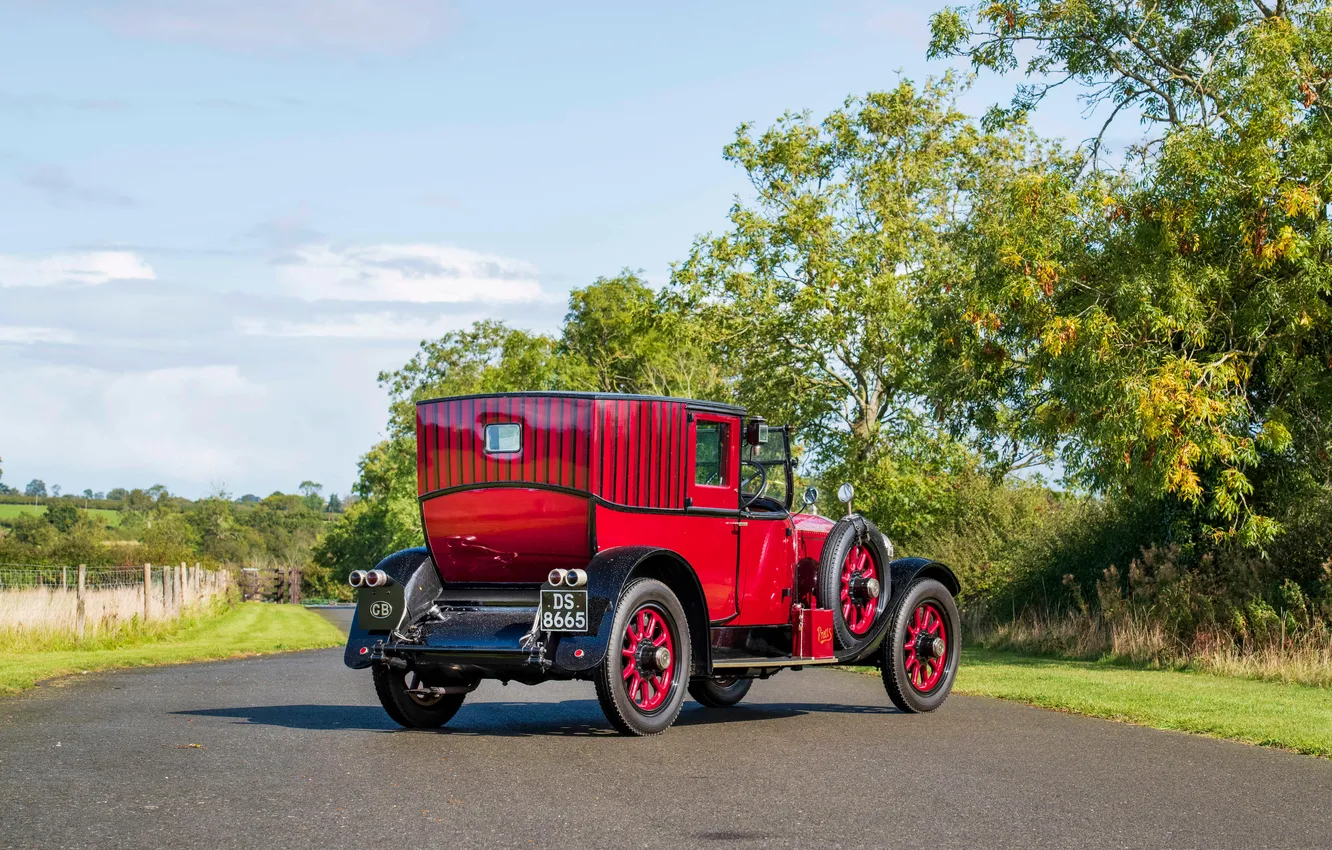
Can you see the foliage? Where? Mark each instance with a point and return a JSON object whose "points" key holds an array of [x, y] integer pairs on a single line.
{"points": [[63, 515], [36, 488], [1167, 325]]}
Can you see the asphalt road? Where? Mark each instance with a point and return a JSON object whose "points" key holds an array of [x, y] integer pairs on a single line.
{"points": [[294, 751]]}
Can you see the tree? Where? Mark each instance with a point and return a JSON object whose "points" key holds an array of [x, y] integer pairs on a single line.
{"points": [[138, 501], [248, 499], [36, 488], [334, 504], [621, 337], [88, 493], [63, 515], [55, 491], [310, 488], [158, 493], [117, 494], [1167, 325]]}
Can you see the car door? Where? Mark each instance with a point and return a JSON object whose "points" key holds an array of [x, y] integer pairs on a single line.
{"points": [[767, 540], [712, 491]]}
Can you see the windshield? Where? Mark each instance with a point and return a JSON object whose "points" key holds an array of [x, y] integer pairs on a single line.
{"points": [[773, 457]]}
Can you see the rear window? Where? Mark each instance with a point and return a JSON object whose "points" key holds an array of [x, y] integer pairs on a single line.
{"points": [[504, 438]]}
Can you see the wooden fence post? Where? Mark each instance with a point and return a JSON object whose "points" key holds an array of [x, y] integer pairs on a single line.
{"points": [[181, 601], [83, 580], [64, 578], [147, 585]]}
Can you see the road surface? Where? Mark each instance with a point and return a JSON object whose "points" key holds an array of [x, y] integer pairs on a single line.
{"points": [[294, 751]]}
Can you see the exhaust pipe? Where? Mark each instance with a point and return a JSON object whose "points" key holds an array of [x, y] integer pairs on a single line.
{"points": [[376, 578], [357, 578], [557, 576], [575, 578]]}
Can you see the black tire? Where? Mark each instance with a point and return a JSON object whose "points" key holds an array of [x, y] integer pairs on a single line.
{"points": [[901, 681], [410, 710], [622, 707], [841, 540], [719, 693]]}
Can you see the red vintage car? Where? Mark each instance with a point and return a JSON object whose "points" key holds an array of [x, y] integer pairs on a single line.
{"points": [[650, 545]]}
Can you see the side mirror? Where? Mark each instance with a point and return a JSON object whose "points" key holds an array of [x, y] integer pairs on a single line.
{"points": [[844, 495], [810, 496]]}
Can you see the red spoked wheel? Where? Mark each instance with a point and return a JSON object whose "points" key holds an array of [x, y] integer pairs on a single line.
{"points": [[926, 647], [649, 658], [642, 679], [919, 656], [858, 607], [854, 581]]}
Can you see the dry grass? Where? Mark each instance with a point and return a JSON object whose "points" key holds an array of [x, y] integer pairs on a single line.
{"points": [[1302, 656], [37, 618]]}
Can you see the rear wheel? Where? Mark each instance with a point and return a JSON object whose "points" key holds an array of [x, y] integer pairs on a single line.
{"points": [[413, 710], [642, 680], [719, 693], [921, 650]]}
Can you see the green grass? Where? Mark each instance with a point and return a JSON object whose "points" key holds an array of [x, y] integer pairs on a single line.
{"points": [[110, 517], [1271, 714], [252, 628]]}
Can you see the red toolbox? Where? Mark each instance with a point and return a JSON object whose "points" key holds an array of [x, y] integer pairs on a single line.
{"points": [[812, 635]]}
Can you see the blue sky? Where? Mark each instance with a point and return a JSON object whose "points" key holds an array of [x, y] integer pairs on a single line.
{"points": [[220, 220]]}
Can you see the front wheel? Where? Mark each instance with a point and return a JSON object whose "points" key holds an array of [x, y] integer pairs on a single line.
{"points": [[413, 710], [920, 653], [719, 693], [641, 682]]}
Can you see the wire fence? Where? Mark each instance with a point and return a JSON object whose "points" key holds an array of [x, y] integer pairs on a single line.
{"points": [[79, 601]]}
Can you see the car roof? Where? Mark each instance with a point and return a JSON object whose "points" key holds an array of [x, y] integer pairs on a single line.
{"points": [[717, 406]]}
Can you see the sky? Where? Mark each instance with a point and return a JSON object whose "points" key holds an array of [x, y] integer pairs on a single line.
{"points": [[220, 220]]}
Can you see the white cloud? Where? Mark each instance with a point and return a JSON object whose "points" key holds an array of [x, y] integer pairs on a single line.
{"points": [[379, 26], [23, 335], [87, 267], [415, 273], [358, 326], [168, 424]]}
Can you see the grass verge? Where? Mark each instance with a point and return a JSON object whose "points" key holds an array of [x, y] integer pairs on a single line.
{"points": [[1271, 714], [252, 628]]}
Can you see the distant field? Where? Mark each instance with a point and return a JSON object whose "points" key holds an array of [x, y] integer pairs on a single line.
{"points": [[111, 518]]}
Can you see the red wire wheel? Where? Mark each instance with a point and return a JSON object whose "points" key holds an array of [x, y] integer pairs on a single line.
{"points": [[858, 610], [648, 673], [927, 623]]}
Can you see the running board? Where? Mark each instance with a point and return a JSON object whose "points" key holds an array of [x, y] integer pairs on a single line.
{"points": [[769, 662]]}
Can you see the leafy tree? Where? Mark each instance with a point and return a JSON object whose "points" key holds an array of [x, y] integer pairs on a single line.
{"points": [[1166, 326], [88, 493], [620, 336], [63, 515], [334, 504], [248, 499], [36, 488], [117, 494], [310, 488], [137, 501], [55, 491], [158, 493]]}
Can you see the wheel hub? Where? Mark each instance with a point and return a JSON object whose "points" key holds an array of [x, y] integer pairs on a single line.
{"points": [[928, 646], [652, 659], [864, 586]]}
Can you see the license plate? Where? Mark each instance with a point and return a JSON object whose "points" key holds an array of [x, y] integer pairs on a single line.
{"points": [[563, 611]]}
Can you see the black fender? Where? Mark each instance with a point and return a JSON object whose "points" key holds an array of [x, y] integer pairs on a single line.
{"points": [[413, 569], [903, 572], [607, 574]]}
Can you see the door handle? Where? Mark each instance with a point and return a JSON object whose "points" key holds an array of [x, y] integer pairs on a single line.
{"points": [[741, 524]]}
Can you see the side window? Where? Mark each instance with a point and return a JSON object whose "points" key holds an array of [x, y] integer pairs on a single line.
{"points": [[710, 454]]}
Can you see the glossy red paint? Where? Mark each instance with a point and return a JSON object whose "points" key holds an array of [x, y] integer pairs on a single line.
{"points": [[767, 549], [708, 543], [812, 632], [857, 612], [555, 448], [724, 495], [510, 534], [641, 449]]}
